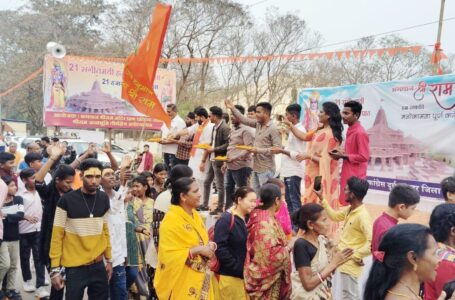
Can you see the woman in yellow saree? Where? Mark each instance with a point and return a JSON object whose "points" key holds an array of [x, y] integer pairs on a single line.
{"points": [[184, 250]]}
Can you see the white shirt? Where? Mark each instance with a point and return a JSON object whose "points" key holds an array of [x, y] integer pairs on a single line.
{"points": [[21, 187], [195, 160], [117, 229], [289, 165], [32, 207], [177, 124]]}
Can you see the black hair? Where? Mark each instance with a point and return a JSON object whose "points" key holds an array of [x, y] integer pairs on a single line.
{"points": [[31, 157], [55, 139], [46, 139], [180, 186], [191, 115], [217, 111], [177, 172], [268, 193], [442, 220], [226, 118], [141, 179], [29, 145], [172, 106], [266, 106], [448, 185], [6, 156], [403, 193], [146, 174], [359, 187], [449, 288], [294, 109], [7, 179], [333, 111], [307, 212], [27, 173], [240, 108], [147, 145], [90, 163], [241, 192], [63, 172], [355, 106], [396, 244], [252, 108], [201, 112], [158, 168]]}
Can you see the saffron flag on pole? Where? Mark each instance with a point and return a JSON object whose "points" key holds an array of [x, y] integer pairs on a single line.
{"points": [[140, 68]]}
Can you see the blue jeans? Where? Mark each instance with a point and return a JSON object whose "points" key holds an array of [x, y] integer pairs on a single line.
{"points": [[169, 161], [117, 286], [292, 188], [131, 275], [259, 179], [235, 179]]}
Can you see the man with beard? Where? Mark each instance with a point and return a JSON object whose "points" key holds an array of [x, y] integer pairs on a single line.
{"points": [[356, 148], [185, 142], [80, 238]]}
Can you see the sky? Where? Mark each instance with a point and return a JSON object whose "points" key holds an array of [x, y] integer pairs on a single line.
{"points": [[342, 20]]}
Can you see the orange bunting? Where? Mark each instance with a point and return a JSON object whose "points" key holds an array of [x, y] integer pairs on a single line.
{"points": [[140, 68]]}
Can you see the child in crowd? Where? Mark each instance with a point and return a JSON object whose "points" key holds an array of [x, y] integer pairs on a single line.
{"points": [[448, 189]]}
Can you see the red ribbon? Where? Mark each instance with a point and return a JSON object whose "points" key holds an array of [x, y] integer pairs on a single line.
{"points": [[379, 255]]}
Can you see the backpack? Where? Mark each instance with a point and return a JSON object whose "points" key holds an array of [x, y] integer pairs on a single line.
{"points": [[214, 263]]}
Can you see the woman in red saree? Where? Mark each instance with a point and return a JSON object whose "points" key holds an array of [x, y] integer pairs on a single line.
{"points": [[267, 266], [327, 138]]}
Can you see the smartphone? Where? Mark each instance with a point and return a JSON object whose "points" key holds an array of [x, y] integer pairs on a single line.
{"points": [[317, 183]]}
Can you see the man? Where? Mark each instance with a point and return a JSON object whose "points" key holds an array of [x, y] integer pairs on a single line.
{"points": [[448, 189], [202, 132], [80, 238], [266, 137], [219, 144], [7, 165], [357, 151], [238, 168], [12, 148], [29, 230], [291, 168], [251, 112], [30, 148], [185, 142], [147, 160], [117, 230], [34, 161], [356, 234], [45, 142], [169, 147], [50, 194]]}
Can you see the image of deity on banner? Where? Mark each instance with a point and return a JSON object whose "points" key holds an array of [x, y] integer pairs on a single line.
{"points": [[58, 86], [311, 108]]}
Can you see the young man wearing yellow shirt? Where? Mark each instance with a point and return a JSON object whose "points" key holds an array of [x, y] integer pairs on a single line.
{"points": [[80, 238], [356, 234]]}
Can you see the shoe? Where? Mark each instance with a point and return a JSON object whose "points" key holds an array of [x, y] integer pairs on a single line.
{"points": [[202, 208], [13, 295], [41, 292], [46, 281], [216, 212], [29, 286]]}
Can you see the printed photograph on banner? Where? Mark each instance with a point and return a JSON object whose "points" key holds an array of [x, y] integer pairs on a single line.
{"points": [[409, 124], [86, 93]]}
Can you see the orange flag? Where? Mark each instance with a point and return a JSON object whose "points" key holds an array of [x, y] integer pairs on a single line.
{"points": [[140, 68]]}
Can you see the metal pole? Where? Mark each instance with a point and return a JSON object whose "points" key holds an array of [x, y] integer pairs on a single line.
{"points": [[438, 38]]}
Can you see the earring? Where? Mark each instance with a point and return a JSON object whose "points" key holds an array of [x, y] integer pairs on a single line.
{"points": [[415, 267]]}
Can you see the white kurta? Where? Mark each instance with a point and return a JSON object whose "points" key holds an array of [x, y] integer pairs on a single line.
{"points": [[206, 138]]}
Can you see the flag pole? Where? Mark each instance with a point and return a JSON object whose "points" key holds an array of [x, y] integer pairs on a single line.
{"points": [[438, 39]]}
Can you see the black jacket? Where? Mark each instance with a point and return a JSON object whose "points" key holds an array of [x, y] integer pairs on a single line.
{"points": [[221, 139]]}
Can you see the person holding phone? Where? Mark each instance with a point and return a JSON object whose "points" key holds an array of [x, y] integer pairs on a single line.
{"points": [[356, 149]]}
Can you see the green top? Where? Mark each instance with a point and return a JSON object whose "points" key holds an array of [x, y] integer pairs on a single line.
{"points": [[131, 237]]}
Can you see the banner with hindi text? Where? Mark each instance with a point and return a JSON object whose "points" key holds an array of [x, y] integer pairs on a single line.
{"points": [[410, 124]]}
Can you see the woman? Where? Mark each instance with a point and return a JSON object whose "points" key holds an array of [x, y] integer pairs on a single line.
{"points": [[149, 177], [143, 216], [327, 138], [13, 212], [159, 179], [230, 236], [163, 200], [267, 264], [442, 225], [184, 250], [282, 216], [406, 258], [311, 279]]}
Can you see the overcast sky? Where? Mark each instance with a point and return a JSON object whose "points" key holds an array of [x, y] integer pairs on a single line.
{"points": [[341, 20]]}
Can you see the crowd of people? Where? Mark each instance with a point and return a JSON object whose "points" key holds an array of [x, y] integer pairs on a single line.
{"points": [[141, 228]]}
